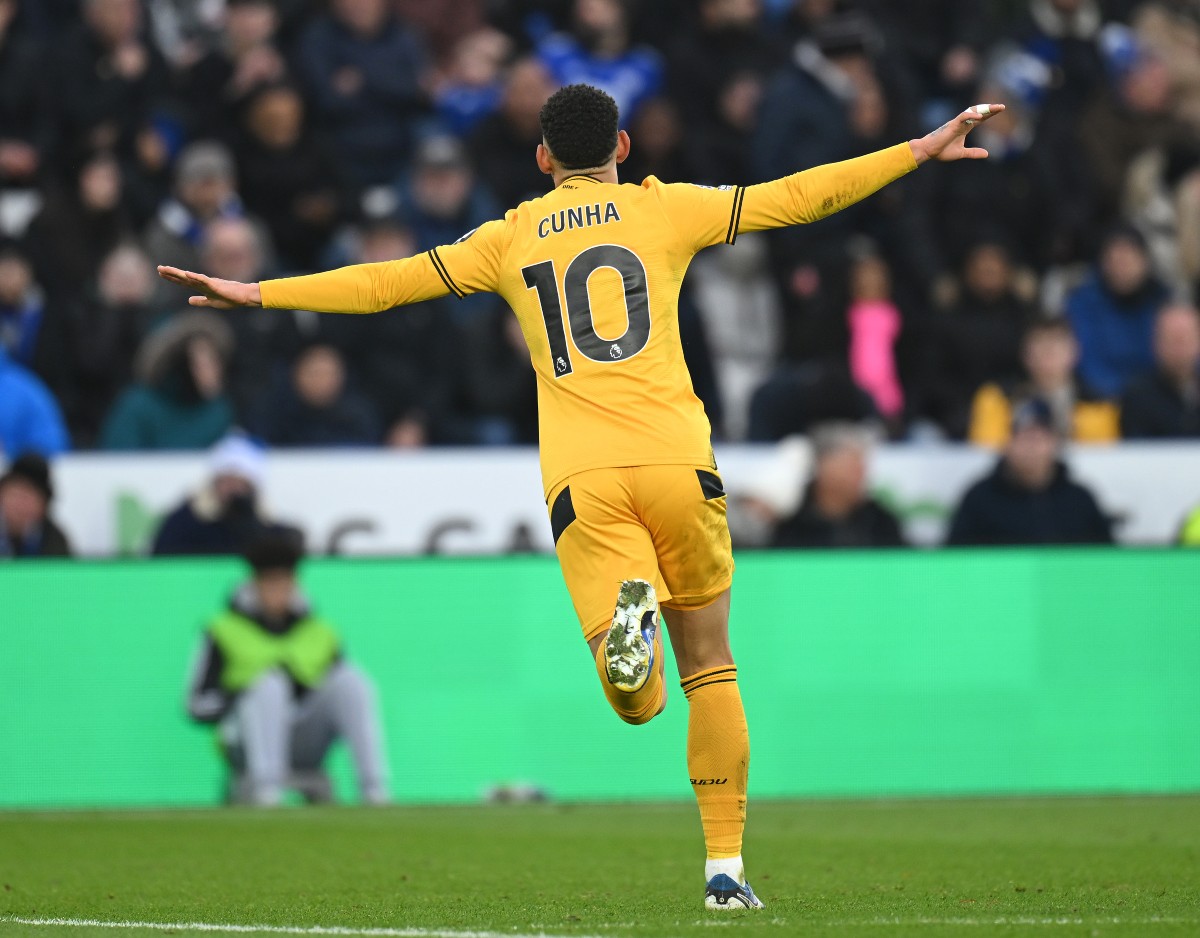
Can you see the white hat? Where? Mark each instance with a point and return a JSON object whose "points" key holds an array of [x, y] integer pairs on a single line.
{"points": [[237, 455]]}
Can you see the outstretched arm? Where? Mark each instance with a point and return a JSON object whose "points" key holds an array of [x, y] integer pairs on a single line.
{"points": [[362, 288], [469, 266], [816, 193]]}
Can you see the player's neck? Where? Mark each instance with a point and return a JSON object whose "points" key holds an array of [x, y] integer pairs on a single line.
{"points": [[600, 174]]}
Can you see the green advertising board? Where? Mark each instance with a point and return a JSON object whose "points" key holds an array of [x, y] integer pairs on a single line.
{"points": [[863, 674]]}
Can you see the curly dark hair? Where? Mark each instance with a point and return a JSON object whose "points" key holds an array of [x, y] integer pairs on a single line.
{"points": [[579, 125]]}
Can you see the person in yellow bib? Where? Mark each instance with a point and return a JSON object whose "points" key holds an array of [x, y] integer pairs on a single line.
{"points": [[636, 505], [272, 676]]}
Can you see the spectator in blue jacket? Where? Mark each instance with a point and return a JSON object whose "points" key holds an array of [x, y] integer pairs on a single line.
{"points": [[1112, 313], [1030, 497], [363, 68], [597, 51], [29, 416]]}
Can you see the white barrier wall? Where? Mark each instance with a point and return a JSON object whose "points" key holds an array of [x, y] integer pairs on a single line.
{"points": [[489, 501]]}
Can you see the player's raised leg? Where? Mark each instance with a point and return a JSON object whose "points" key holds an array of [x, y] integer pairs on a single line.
{"points": [[629, 656], [718, 747], [608, 563]]}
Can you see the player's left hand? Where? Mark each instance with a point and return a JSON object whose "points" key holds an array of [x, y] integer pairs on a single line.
{"points": [[949, 142]]}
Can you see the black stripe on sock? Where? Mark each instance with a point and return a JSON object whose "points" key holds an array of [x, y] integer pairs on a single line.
{"points": [[691, 690], [440, 266], [708, 674]]}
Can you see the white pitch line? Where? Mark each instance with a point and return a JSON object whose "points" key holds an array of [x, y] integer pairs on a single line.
{"points": [[344, 932], [277, 929], [1015, 920]]}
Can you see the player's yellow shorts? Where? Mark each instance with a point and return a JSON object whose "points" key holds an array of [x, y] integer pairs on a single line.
{"points": [[663, 524]]}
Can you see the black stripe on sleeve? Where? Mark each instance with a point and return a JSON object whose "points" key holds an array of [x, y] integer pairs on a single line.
{"points": [[440, 267], [736, 218]]}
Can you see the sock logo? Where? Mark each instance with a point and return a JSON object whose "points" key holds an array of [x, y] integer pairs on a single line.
{"points": [[709, 781]]}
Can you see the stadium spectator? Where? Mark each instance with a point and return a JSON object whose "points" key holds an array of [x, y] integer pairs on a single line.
{"points": [[1165, 402], [442, 200], [1030, 497], [796, 398], [405, 363], [316, 408], [1170, 31], [79, 224], [26, 528], [500, 144], [289, 176], [474, 86], [180, 399], [243, 58], [836, 509], [836, 99], [226, 515], [273, 676], [24, 111], [443, 22], [720, 148], [1125, 122], [264, 341], [1049, 354], [660, 151], [598, 51], [364, 68], [108, 81], [1030, 189], [497, 394], [205, 189], [90, 342], [1113, 311], [22, 308], [30, 418], [740, 314], [974, 338], [725, 41], [874, 322], [1066, 36]]}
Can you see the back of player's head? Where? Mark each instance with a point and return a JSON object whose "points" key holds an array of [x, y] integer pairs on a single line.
{"points": [[579, 126]]}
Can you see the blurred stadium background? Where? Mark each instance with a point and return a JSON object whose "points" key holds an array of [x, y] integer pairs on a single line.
{"points": [[252, 138]]}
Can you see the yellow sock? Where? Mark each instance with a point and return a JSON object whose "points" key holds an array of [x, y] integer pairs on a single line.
{"points": [[642, 705], [718, 754]]}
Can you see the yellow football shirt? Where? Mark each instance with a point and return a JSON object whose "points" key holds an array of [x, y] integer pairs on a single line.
{"points": [[592, 271]]}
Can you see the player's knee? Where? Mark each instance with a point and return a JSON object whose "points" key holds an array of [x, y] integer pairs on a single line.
{"points": [[638, 707], [653, 709]]}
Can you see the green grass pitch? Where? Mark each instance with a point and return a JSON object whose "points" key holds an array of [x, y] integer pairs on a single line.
{"points": [[1046, 867]]}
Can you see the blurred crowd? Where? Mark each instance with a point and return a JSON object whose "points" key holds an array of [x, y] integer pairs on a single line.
{"points": [[254, 138]]}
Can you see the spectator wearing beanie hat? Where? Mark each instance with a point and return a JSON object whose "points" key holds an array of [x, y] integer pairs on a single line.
{"points": [[26, 529]]}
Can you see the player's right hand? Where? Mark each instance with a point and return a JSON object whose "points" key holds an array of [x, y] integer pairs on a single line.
{"points": [[215, 293]]}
